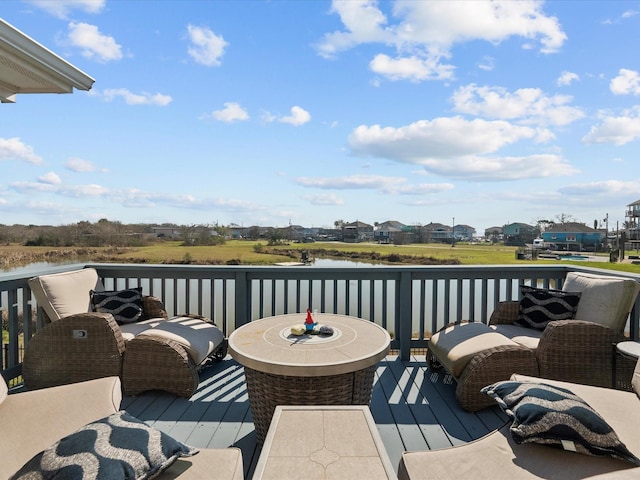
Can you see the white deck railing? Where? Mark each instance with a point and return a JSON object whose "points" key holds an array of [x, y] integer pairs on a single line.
{"points": [[409, 301]]}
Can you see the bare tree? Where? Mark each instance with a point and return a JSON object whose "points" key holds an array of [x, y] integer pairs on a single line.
{"points": [[565, 218]]}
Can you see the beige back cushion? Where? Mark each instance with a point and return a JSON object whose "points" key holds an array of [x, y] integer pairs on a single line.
{"points": [[67, 293], [605, 300], [3, 390]]}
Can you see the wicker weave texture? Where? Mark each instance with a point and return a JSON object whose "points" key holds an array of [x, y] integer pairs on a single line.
{"points": [[153, 307], [158, 364], [76, 348], [577, 351], [266, 391], [505, 312], [490, 366], [625, 365]]}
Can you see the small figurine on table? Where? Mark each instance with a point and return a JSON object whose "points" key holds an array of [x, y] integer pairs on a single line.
{"points": [[309, 323]]}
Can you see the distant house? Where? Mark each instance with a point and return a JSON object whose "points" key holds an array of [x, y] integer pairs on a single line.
{"points": [[357, 232], [166, 232], [493, 234], [390, 231], [632, 223], [463, 232], [438, 232], [518, 234], [573, 236]]}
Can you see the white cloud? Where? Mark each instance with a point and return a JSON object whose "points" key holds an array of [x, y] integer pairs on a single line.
{"points": [[299, 116], [14, 149], [627, 82], [567, 78], [353, 182], [131, 197], [411, 68], [231, 112], [426, 32], [458, 148], [73, 191], [393, 185], [206, 47], [62, 8], [530, 105], [94, 44], [79, 165], [268, 117], [487, 64], [50, 178], [602, 188], [131, 98], [328, 199], [618, 130], [364, 23]]}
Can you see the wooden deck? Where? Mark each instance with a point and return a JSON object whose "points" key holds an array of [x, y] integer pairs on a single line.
{"points": [[414, 409]]}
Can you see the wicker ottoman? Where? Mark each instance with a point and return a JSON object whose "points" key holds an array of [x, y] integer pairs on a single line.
{"points": [[476, 356]]}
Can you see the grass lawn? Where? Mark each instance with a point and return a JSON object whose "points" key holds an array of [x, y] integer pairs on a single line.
{"points": [[248, 253]]}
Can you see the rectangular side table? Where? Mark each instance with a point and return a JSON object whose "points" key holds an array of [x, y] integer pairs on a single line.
{"points": [[323, 442]]}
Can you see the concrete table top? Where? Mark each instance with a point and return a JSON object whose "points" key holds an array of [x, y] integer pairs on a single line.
{"points": [[268, 346], [631, 349], [321, 442]]}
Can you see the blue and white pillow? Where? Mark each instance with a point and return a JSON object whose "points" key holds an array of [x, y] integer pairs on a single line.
{"points": [[117, 447], [556, 417], [124, 305]]}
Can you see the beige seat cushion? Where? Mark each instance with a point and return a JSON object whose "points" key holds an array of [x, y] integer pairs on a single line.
{"points": [[498, 457], [34, 420], [220, 463], [605, 300], [456, 345], [198, 337], [527, 337], [66, 293]]}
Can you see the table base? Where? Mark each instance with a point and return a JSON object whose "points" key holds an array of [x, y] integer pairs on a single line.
{"points": [[266, 391]]}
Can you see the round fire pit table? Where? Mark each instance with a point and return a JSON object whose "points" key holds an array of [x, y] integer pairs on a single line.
{"points": [[284, 369]]}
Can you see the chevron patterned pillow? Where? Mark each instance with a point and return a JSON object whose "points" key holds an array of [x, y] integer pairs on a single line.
{"points": [[124, 305], [555, 416], [539, 306], [116, 447]]}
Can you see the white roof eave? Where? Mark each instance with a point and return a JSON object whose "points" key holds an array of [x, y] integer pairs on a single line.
{"points": [[26, 66]]}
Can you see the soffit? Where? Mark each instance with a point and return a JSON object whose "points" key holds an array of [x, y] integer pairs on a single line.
{"points": [[28, 67]]}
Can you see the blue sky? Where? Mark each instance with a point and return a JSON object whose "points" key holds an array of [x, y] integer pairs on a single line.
{"points": [[271, 112]]}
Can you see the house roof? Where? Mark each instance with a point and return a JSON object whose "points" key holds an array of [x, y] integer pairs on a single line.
{"points": [[358, 224], [391, 224], [570, 227], [28, 67], [438, 226], [519, 224]]}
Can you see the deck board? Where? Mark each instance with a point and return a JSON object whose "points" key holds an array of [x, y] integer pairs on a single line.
{"points": [[413, 407]]}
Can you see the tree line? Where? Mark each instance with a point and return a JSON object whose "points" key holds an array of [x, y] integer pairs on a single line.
{"points": [[104, 232]]}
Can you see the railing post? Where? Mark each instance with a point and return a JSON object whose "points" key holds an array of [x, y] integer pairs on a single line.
{"points": [[404, 314], [12, 311], [242, 299]]}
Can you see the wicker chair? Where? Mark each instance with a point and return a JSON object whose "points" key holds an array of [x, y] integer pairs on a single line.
{"points": [[577, 351], [155, 353]]}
